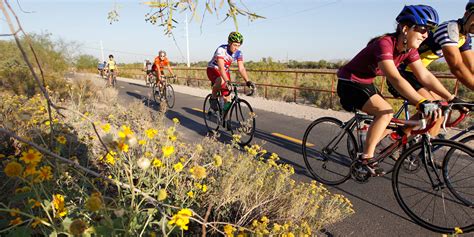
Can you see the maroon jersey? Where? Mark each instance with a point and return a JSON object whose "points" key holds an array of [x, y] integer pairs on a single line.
{"points": [[363, 68]]}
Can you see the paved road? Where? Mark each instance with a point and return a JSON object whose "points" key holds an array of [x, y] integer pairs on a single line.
{"points": [[377, 212]]}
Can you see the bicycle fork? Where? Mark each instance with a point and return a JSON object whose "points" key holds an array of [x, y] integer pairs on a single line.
{"points": [[428, 162]]}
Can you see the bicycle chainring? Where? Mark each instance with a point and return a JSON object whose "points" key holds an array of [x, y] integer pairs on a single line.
{"points": [[359, 172]]}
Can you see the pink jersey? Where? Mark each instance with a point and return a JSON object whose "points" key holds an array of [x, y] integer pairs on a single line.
{"points": [[363, 68]]}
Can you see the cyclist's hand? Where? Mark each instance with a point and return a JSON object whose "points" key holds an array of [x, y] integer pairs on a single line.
{"points": [[250, 84], [457, 106], [430, 109]]}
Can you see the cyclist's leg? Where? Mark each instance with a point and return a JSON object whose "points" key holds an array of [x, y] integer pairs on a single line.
{"points": [[383, 113]]}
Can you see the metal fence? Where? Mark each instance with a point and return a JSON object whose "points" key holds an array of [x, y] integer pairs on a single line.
{"points": [[296, 76]]}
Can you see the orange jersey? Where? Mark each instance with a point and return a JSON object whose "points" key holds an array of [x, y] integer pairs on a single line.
{"points": [[161, 63]]}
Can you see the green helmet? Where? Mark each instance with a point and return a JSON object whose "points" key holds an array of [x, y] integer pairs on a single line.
{"points": [[235, 37]]}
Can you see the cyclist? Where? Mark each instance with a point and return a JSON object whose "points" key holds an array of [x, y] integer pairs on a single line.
{"points": [[381, 56], [147, 68], [218, 68], [112, 69], [451, 40], [161, 61], [100, 67]]}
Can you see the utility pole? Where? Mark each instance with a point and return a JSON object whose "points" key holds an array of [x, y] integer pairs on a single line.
{"points": [[187, 41], [102, 50]]}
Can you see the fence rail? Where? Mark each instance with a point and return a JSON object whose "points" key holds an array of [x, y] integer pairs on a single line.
{"points": [[296, 74]]}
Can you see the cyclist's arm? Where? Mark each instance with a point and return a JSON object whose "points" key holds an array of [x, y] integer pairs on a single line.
{"points": [[401, 85], [242, 70], [428, 80], [221, 65], [457, 65], [169, 69]]}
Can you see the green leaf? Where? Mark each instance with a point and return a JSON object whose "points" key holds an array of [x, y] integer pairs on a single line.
{"points": [[67, 223], [22, 231]]}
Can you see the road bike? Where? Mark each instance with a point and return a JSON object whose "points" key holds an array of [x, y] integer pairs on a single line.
{"points": [[111, 74], [163, 90], [239, 118], [437, 198]]}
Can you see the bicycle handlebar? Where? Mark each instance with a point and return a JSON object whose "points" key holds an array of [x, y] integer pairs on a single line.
{"points": [[234, 86], [448, 108]]}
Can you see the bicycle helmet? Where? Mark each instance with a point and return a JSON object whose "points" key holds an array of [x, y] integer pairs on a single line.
{"points": [[470, 6], [162, 52], [235, 37], [419, 15]]}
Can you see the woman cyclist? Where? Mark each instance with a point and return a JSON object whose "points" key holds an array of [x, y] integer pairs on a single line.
{"points": [[381, 56]]}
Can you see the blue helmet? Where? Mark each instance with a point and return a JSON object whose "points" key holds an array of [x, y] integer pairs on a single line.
{"points": [[470, 6], [419, 15]]}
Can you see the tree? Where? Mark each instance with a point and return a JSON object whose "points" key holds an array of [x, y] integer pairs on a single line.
{"points": [[163, 12], [86, 61]]}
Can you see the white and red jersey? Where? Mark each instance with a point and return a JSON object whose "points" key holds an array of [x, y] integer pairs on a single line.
{"points": [[224, 53]]}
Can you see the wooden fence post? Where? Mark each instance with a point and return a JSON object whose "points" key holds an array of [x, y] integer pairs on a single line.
{"points": [[296, 85]]}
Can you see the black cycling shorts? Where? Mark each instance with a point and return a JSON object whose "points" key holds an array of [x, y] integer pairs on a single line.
{"points": [[354, 95], [410, 78]]}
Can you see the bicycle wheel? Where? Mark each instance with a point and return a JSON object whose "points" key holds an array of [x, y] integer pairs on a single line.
{"points": [[421, 192], [169, 95], [212, 118], [458, 172], [328, 150], [242, 121], [156, 92]]}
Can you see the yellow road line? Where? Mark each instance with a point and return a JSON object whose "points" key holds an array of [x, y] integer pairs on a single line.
{"points": [[196, 109], [291, 139], [122, 87], [137, 91]]}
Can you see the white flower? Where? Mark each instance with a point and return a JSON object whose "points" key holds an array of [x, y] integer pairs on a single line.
{"points": [[144, 163]]}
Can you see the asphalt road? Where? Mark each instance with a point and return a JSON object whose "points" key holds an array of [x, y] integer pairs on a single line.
{"points": [[376, 211]]}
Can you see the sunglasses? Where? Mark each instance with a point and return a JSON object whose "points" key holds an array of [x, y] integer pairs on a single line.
{"points": [[421, 29]]}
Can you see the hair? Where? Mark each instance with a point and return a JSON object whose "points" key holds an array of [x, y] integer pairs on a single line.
{"points": [[111, 56], [393, 34]]}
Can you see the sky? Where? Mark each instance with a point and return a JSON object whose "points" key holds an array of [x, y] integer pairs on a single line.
{"points": [[302, 30]]}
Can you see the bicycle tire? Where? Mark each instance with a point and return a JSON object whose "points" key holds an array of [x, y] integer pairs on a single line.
{"points": [[451, 209], [212, 119], [465, 192], [169, 95], [312, 151], [241, 125]]}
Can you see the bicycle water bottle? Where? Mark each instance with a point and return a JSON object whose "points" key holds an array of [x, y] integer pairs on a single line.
{"points": [[363, 136]]}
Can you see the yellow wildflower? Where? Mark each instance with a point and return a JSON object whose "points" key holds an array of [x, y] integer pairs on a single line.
{"points": [[37, 222], [172, 138], [190, 194], [199, 148], [34, 203], [61, 139], [106, 127], [45, 173], [13, 169], [178, 167], [204, 188], [31, 156], [276, 227], [16, 221], [264, 219], [458, 230], [47, 123], [162, 194], [94, 203], [229, 230], [157, 163], [122, 146], [77, 227], [217, 160], [142, 142], [167, 150], [198, 172], [125, 132], [181, 219], [151, 133], [175, 120], [14, 211], [58, 205], [110, 157]]}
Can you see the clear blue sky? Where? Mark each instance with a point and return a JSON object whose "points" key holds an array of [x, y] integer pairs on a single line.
{"points": [[293, 29]]}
